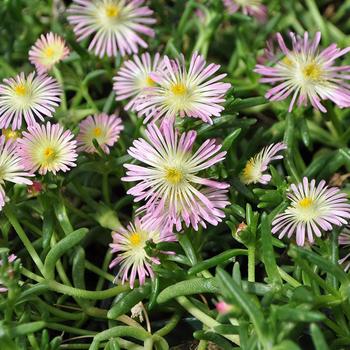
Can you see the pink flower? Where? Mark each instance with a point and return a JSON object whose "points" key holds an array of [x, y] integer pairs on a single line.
{"points": [[133, 78], [253, 8], [32, 97], [47, 148], [253, 171], [312, 208], [103, 128], [130, 246], [114, 24], [168, 179], [47, 51], [344, 239], [223, 308], [307, 74], [192, 92], [11, 168]]}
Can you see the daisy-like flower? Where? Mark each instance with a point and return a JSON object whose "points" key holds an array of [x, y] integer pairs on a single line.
{"points": [[130, 246], [253, 171], [344, 240], [32, 97], [312, 209], [307, 74], [11, 258], [47, 51], [116, 25], [47, 148], [105, 129], [253, 8], [168, 179], [192, 92], [11, 168], [134, 77]]}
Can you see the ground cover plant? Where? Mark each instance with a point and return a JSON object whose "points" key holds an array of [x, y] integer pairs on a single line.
{"points": [[174, 174]]}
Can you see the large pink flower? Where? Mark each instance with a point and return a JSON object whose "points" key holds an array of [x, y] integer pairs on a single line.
{"points": [[114, 24], [168, 179], [194, 92], [32, 97], [307, 74], [313, 208]]}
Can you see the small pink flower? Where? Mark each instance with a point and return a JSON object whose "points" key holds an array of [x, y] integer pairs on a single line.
{"points": [[307, 74], [103, 128], [115, 25], [253, 171], [194, 92], [312, 209], [169, 178], [253, 8], [129, 244], [32, 97], [11, 168], [223, 308], [11, 258], [133, 78], [47, 148], [47, 51]]}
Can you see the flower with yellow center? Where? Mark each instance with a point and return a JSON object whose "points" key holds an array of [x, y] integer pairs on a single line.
{"points": [[130, 246], [307, 74], [169, 177], [11, 134], [312, 209], [116, 26], [103, 128], [134, 78], [254, 169], [180, 91], [32, 98], [47, 148], [47, 51]]}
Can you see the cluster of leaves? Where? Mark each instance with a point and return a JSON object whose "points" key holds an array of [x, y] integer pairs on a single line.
{"points": [[60, 292]]}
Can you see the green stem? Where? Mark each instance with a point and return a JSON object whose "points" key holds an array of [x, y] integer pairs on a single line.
{"points": [[171, 324], [251, 263], [22, 235], [105, 188], [289, 279], [203, 317], [105, 275], [59, 78]]}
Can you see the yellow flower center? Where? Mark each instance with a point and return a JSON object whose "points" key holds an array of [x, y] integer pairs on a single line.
{"points": [[49, 52], [49, 153], [178, 89], [20, 90], [287, 61], [97, 132], [305, 202], [150, 82], [112, 11], [10, 134], [251, 172], [173, 176], [135, 239], [312, 71]]}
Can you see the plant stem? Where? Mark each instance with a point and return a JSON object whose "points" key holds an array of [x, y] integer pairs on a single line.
{"points": [[59, 78], [251, 263], [289, 279], [22, 235]]}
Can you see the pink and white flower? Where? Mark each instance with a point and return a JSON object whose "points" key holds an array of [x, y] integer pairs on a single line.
{"points": [[32, 97], [312, 209], [47, 51], [130, 246], [307, 74], [194, 92], [168, 178], [116, 25], [133, 78], [104, 128], [47, 148], [11, 168], [253, 171], [253, 8]]}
